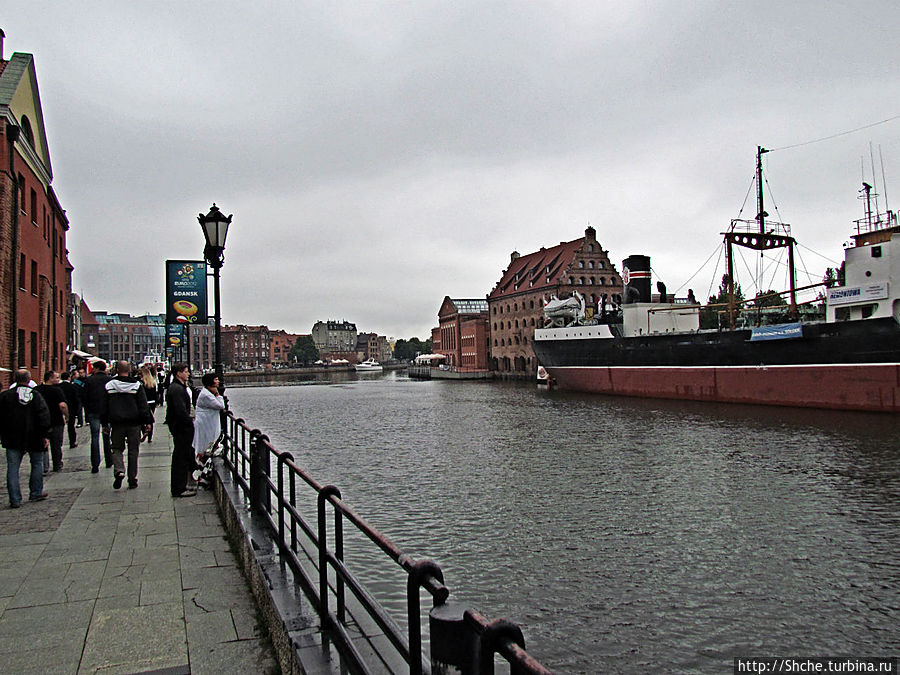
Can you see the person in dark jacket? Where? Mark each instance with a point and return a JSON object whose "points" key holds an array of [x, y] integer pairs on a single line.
{"points": [[73, 401], [181, 426], [94, 396], [24, 427], [55, 399], [126, 413]]}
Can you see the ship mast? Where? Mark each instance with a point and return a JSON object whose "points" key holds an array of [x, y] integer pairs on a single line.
{"points": [[761, 241]]}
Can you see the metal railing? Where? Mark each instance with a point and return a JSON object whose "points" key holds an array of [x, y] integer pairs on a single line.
{"points": [[461, 638]]}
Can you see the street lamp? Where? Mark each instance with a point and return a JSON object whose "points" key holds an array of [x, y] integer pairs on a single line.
{"points": [[215, 229]]}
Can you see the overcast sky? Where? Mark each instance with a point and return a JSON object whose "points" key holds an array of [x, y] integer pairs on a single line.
{"points": [[378, 156]]}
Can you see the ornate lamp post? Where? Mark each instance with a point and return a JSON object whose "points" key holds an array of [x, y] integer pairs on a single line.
{"points": [[215, 229]]}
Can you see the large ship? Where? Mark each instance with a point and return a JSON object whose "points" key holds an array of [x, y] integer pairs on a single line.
{"points": [[653, 345]]}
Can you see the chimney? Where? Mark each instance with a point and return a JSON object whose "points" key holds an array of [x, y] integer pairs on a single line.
{"points": [[2, 35]]}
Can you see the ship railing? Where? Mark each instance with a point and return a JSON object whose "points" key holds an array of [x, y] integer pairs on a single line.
{"points": [[875, 222], [752, 227], [461, 638]]}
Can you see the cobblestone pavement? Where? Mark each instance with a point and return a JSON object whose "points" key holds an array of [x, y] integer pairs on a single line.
{"points": [[97, 580]]}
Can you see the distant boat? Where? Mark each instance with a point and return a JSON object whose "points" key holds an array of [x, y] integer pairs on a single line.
{"points": [[369, 366]]}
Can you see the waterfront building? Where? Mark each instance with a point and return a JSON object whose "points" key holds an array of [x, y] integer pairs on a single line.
{"points": [[516, 303], [463, 333], [35, 277], [335, 340], [246, 347], [373, 346], [280, 346], [202, 339], [122, 337]]}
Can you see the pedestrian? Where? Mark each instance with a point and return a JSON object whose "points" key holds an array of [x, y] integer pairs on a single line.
{"points": [[207, 417], [94, 398], [55, 398], [126, 413], [148, 381], [181, 426], [78, 381], [73, 400], [24, 427]]}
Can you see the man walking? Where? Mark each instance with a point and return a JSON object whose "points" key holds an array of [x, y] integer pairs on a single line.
{"points": [[94, 397], [73, 400], [181, 426], [24, 427], [125, 410], [59, 417]]}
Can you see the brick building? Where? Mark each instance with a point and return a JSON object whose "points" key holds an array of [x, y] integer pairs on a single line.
{"points": [[281, 343], [463, 334], [516, 302], [246, 347], [35, 278], [122, 337]]}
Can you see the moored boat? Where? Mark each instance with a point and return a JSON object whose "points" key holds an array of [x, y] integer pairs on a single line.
{"points": [[369, 366], [654, 347]]}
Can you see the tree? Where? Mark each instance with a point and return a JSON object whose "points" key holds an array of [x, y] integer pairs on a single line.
{"points": [[406, 350], [834, 277], [304, 350], [709, 316]]}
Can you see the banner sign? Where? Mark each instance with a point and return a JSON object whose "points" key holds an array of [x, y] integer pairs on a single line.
{"points": [[174, 335], [186, 292], [781, 331], [844, 295]]}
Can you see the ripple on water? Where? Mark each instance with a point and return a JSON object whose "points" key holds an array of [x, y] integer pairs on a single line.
{"points": [[621, 534]]}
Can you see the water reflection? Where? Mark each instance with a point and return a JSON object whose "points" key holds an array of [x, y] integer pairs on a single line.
{"points": [[622, 534]]}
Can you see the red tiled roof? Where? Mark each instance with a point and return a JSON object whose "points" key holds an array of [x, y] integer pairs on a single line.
{"points": [[530, 272]]}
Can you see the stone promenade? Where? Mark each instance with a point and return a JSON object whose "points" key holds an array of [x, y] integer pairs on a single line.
{"points": [[97, 580]]}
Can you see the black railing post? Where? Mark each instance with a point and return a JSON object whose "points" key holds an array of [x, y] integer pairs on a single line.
{"points": [[495, 634], [282, 458], [257, 477], [324, 494], [418, 570]]}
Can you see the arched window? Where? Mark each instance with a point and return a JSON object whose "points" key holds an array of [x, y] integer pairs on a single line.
{"points": [[495, 342], [516, 307], [531, 306], [27, 132], [517, 339], [517, 323], [502, 342], [592, 281]]}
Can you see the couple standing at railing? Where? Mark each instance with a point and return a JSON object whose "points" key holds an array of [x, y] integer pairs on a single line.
{"points": [[191, 437]]}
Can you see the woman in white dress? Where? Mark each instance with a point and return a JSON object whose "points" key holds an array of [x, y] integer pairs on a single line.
{"points": [[207, 422]]}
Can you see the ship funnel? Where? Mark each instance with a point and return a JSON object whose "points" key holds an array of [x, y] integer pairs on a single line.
{"points": [[636, 275]]}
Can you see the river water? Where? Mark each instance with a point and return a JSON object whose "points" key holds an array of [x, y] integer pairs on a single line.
{"points": [[622, 535]]}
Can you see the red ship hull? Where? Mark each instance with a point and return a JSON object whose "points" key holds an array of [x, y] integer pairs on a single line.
{"points": [[859, 386]]}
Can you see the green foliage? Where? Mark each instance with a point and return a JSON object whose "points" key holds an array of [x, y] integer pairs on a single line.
{"points": [[406, 350], [768, 298], [709, 316], [304, 350]]}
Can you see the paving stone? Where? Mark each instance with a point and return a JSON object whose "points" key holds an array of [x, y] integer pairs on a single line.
{"points": [[134, 640], [247, 656]]}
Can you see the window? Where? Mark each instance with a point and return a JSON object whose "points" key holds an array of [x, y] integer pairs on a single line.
{"points": [[22, 271], [21, 182], [34, 350], [21, 348], [34, 277], [34, 208]]}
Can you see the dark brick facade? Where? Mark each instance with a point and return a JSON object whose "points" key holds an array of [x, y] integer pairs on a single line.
{"points": [[516, 303]]}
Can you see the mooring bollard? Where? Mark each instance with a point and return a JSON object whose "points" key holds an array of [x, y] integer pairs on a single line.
{"points": [[454, 645]]}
